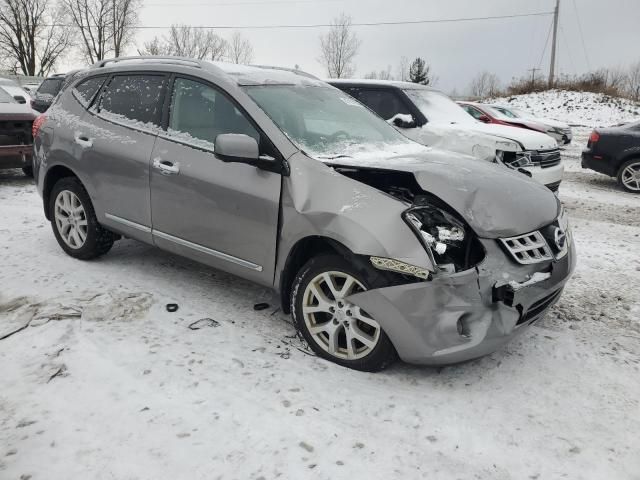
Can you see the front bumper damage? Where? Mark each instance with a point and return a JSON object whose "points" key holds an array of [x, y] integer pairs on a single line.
{"points": [[465, 315]]}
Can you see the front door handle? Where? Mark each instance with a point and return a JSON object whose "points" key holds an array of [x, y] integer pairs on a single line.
{"points": [[166, 167], [83, 140]]}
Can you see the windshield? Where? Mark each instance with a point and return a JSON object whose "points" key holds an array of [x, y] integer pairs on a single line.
{"points": [[324, 122], [5, 97], [504, 112], [51, 86], [439, 108]]}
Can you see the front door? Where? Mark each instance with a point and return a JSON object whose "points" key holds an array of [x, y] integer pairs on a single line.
{"points": [[222, 214]]}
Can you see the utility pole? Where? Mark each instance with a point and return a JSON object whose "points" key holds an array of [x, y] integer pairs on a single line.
{"points": [[533, 76], [552, 67]]}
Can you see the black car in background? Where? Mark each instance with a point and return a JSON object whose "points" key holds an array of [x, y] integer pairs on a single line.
{"points": [[615, 151]]}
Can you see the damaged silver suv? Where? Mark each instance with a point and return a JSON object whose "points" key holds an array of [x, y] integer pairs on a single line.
{"points": [[378, 246]]}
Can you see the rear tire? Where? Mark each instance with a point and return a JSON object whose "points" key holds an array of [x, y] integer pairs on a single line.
{"points": [[74, 221], [629, 175], [334, 328], [28, 171]]}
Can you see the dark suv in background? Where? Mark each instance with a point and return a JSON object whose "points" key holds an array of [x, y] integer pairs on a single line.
{"points": [[48, 90]]}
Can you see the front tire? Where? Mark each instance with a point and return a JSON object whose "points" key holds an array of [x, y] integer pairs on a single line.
{"points": [[74, 221], [334, 328], [629, 175]]}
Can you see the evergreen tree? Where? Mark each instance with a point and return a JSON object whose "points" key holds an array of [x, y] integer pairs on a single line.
{"points": [[419, 72]]}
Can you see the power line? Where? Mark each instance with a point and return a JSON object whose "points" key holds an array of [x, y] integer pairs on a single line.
{"points": [[229, 4], [546, 42], [584, 47], [324, 25]]}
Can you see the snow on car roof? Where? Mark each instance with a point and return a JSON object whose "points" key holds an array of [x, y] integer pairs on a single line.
{"points": [[382, 83], [267, 75]]}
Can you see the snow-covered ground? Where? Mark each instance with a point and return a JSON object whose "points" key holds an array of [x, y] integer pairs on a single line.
{"points": [[106, 384], [583, 109]]}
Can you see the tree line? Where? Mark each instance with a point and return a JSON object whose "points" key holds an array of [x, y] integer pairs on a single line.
{"points": [[35, 35], [617, 82]]}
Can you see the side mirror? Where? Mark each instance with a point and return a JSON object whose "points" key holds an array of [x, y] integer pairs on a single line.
{"points": [[484, 119], [404, 121], [241, 148], [20, 99]]}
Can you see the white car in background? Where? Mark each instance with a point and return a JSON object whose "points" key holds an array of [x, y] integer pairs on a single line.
{"points": [[431, 118], [15, 90]]}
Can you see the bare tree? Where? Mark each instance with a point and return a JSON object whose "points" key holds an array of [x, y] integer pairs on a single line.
{"points": [[380, 75], [105, 26], [32, 39], [240, 49], [633, 81], [403, 69], [156, 46], [485, 84], [124, 14], [186, 41], [93, 19], [339, 47]]}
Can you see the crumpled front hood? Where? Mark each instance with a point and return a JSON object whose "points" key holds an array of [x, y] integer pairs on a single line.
{"points": [[494, 201]]}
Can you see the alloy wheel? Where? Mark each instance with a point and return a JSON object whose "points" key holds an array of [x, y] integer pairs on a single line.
{"points": [[631, 177], [71, 219], [338, 326]]}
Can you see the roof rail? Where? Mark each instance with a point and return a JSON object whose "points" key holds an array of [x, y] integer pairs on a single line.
{"points": [[285, 69], [152, 58]]}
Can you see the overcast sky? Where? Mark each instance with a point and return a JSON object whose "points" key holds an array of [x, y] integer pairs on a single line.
{"points": [[456, 51]]}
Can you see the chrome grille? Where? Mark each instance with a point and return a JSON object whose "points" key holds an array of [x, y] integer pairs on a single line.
{"points": [[529, 248], [546, 158]]}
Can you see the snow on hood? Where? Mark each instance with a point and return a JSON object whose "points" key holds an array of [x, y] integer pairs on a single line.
{"points": [[528, 139], [494, 201]]}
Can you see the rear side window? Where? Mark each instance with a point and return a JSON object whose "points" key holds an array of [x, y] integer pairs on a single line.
{"points": [[135, 98], [385, 103], [51, 86], [85, 91]]}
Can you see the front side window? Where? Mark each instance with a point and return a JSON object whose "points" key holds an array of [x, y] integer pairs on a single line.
{"points": [[474, 112], [136, 98], [86, 90], [437, 107], [199, 113], [325, 122], [50, 86], [385, 103]]}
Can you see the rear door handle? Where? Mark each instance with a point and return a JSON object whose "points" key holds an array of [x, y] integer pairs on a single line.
{"points": [[83, 140], [166, 167]]}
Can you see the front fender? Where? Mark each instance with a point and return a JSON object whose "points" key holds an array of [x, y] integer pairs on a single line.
{"points": [[318, 201]]}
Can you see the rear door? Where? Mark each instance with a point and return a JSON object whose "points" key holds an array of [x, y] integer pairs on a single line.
{"points": [[117, 137], [221, 214]]}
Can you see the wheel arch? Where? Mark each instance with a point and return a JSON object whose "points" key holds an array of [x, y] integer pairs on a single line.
{"points": [[302, 251], [54, 174]]}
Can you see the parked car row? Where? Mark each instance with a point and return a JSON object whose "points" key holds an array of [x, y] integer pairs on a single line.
{"points": [[378, 246], [16, 118], [431, 118]]}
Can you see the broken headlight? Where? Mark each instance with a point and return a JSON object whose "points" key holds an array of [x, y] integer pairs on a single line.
{"points": [[450, 244]]}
